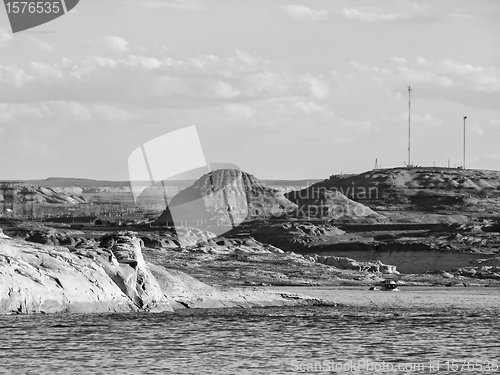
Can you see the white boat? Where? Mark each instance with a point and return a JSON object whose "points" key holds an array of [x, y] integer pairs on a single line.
{"points": [[388, 285]]}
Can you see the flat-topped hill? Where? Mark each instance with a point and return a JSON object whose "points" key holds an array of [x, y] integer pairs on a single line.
{"points": [[431, 190], [457, 180]]}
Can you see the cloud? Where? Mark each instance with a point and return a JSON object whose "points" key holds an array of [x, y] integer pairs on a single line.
{"points": [[301, 12], [356, 126], [240, 111], [421, 121], [485, 79], [399, 60], [355, 14], [483, 128], [5, 37], [447, 74], [317, 86], [117, 43], [423, 61], [63, 111], [42, 44], [308, 107], [406, 11], [147, 82], [189, 5]]}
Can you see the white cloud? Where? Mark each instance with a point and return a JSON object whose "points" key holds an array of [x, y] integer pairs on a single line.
{"points": [[355, 14], [421, 121], [485, 79], [483, 128], [190, 5], [356, 126], [301, 12], [422, 11], [240, 111], [61, 110], [45, 46], [5, 37], [308, 107], [151, 82], [318, 87], [117, 43], [423, 61], [444, 74], [398, 60]]}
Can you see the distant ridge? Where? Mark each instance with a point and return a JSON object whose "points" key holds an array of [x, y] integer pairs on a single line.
{"points": [[89, 183]]}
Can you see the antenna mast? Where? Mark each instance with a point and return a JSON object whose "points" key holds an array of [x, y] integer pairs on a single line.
{"points": [[409, 125]]}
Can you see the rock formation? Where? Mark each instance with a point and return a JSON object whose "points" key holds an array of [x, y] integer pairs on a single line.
{"points": [[421, 189], [345, 263], [225, 197], [114, 277], [38, 278], [39, 194], [127, 268], [2, 235], [293, 235], [320, 202]]}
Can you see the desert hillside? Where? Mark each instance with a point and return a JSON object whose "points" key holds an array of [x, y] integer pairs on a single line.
{"points": [[414, 194]]}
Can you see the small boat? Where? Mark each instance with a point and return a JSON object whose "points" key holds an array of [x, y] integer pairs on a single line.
{"points": [[390, 285]]}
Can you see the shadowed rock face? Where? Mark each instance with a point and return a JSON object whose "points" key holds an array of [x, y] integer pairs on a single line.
{"points": [[224, 197]]}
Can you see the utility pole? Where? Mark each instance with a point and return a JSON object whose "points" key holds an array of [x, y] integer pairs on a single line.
{"points": [[464, 142], [409, 126]]}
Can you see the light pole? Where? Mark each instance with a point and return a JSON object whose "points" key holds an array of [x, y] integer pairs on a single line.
{"points": [[465, 117]]}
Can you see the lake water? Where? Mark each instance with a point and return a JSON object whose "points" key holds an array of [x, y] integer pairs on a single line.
{"points": [[341, 339]]}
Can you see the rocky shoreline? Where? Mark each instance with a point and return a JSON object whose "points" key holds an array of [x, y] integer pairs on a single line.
{"points": [[117, 272], [115, 277]]}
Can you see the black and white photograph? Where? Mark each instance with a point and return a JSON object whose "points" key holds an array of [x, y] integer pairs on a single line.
{"points": [[249, 187]]}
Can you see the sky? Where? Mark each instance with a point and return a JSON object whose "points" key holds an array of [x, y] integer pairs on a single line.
{"points": [[283, 89]]}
